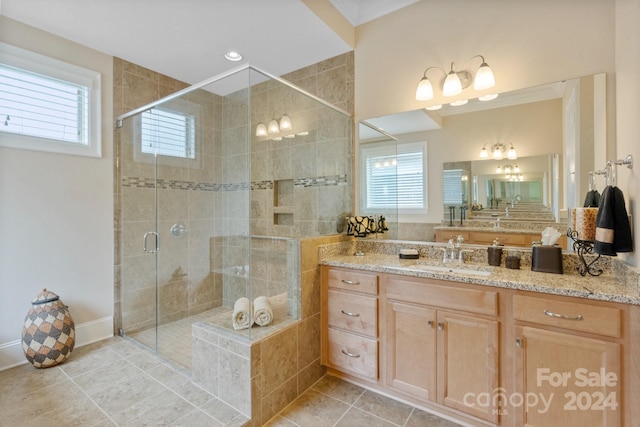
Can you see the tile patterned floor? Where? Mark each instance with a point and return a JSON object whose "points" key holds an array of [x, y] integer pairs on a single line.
{"points": [[117, 383]]}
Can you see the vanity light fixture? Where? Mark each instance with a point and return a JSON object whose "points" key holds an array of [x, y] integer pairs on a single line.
{"points": [[497, 150], [455, 81], [508, 169]]}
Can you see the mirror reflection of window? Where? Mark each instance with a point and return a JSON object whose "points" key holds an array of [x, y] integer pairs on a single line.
{"points": [[394, 177]]}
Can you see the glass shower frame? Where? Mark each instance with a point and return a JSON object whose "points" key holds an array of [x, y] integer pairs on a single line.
{"points": [[225, 184]]}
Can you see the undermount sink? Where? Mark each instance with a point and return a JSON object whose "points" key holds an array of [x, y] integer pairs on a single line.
{"points": [[453, 269]]}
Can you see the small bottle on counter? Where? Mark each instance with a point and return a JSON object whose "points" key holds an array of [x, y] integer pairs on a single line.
{"points": [[494, 253]]}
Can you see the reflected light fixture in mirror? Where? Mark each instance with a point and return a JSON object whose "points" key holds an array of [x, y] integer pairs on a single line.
{"points": [[455, 81], [273, 126], [261, 130]]}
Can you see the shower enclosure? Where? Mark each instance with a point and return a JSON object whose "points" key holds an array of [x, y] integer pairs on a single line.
{"points": [[218, 182]]}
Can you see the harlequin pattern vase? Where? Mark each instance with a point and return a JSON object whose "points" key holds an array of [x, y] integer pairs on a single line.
{"points": [[48, 334]]}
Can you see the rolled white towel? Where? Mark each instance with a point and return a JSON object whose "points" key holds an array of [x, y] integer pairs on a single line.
{"points": [[242, 314], [262, 311]]}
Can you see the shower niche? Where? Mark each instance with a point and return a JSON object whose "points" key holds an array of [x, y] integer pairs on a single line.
{"points": [[283, 202]]}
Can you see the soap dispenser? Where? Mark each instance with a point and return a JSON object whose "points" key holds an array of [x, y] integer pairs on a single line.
{"points": [[494, 253]]}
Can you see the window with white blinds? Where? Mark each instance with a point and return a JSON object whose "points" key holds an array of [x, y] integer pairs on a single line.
{"points": [[394, 177], [48, 105], [168, 133]]}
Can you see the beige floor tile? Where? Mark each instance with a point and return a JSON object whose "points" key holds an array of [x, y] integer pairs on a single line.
{"points": [[278, 421], [125, 393], [160, 409], [384, 407], [196, 418], [420, 418], [356, 417], [314, 409], [220, 411], [339, 389]]}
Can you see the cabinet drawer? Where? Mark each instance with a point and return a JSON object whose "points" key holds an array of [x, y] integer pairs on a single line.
{"points": [[445, 297], [352, 353], [576, 316], [353, 281], [355, 313], [504, 238]]}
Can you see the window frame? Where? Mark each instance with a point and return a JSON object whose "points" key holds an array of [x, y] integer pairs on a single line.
{"points": [[385, 148], [190, 133], [56, 69]]}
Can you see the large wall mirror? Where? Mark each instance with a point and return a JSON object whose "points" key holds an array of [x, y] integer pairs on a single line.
{"points": [[554, 128]]}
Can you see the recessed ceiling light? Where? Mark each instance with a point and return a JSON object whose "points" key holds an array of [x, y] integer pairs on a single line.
{"points": [[234, 56]]}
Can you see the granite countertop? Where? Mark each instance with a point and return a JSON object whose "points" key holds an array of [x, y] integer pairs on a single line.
{"points": [[607, 287]]}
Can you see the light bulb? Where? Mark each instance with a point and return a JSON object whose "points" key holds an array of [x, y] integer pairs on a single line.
{"points": [[261, 130], [511, 154], [484, 153], [273, 127], [516, 169], [507, 169], [424, 92], [497, 152], [452, 84], [285, 123], [484, 78]]}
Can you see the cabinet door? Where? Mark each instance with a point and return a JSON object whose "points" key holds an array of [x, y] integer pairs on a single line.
{"points": [[568, 380], [468, 364], [410, 349]]}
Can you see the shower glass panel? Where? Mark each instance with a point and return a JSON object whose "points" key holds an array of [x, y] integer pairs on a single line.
{"points": [[213, 208]]}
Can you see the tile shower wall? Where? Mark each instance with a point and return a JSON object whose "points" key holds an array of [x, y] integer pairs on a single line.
{"points": [[297, 188], [185, 195]]}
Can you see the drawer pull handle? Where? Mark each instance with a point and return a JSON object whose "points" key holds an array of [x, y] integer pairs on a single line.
{"points": [[350, 282], [562, 316], [430, 324], [519, 342], [346, 353], [440, 326], [346, 313]]}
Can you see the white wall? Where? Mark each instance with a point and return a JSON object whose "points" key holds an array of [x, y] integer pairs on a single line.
{"points": [[525, 43], [628, 109], [56, 216]]}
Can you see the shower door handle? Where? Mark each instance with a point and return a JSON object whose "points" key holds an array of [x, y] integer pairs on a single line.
{"points": [[144, 242]]}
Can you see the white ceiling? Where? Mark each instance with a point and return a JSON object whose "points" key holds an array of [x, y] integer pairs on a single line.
{"points": [[187, 39], [358, 12]]}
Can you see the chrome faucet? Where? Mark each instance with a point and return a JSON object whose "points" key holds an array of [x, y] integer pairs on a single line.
{"points": [[497, 223], [453, 251]]}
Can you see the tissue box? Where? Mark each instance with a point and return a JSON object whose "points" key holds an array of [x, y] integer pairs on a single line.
{"points": [[547, 259]]}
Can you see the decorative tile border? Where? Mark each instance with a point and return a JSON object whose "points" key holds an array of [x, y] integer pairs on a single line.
{"points": [[142, 182]]}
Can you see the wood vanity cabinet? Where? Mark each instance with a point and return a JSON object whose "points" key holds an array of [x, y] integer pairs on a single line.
{"points": [[350, 322], [569, 354], [488, 356], [440, 343]]}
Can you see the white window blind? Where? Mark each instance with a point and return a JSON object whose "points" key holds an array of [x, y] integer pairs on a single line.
{"points": [[395, 177], [37, 105], [453, 187], [168, 133], [47, 104]]}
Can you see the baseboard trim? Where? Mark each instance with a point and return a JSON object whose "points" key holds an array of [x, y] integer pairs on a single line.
{"points": [[11, 354]]}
